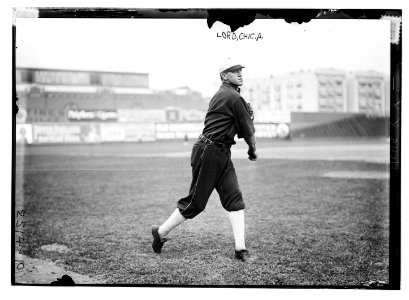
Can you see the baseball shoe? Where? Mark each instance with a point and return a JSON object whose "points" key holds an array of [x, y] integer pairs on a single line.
{"points": [[158, 242], [242, 255]]}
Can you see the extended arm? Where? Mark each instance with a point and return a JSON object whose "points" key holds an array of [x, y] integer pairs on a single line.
{"points": [[244, 126], [251, 142]]}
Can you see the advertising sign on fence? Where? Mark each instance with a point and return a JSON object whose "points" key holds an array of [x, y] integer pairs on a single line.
{"points": [[141, 115], [178, 130], [82, 115], [112, 132], [122, 132], [44, 133], [84, 133], [192, 115], [90, 133], [271, 130], [139, 132], [53, 133], [24, 134]]}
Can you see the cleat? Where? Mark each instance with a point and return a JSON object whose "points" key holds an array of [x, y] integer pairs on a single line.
{"points": [[158, 242], [242, 255]]}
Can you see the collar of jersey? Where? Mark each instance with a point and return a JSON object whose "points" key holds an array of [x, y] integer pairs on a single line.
{"points": [[232, 86]]}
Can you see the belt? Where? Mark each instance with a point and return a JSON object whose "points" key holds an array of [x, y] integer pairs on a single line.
{"points": [[204, 139]]}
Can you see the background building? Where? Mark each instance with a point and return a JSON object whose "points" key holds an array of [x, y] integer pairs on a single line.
{"points": [[321, 90], [47, 95], [307, 91], [258, 91], [77, 106], [367, 92]]}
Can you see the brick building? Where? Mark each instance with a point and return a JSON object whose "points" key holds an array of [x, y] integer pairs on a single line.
{"points": [[46, 95]]}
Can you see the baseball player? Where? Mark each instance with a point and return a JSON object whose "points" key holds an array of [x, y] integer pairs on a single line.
{"points": [[228, 114]]}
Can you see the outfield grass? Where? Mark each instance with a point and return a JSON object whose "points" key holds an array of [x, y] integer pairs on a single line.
{"points": [[302, 228]]}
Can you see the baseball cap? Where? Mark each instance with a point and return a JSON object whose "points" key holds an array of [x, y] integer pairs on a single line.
{"points": [[229, 65]]}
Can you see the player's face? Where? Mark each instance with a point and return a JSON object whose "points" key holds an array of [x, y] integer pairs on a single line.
{"points": [[235, 77]]}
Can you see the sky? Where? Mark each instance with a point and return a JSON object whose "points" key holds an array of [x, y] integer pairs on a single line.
{"points": [[185, 52]]}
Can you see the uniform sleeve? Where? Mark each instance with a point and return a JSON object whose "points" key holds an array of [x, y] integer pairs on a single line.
{"points": [[242, 120]]}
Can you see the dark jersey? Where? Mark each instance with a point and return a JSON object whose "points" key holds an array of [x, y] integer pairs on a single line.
{"points": [[227, 116]]}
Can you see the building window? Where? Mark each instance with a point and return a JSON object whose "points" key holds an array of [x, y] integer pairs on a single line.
{"points": [[95, 79], [323, 101], [27, 76], [299, 94], [289, 92], [323, 92], [339, 90]]}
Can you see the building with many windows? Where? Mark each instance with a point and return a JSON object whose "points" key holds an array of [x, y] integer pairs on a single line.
{"points": [[258, 91], [367, 92], [311, 91], [321, 90]]}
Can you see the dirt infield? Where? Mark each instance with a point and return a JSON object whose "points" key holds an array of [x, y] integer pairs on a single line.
{"points": [[37, 271]]}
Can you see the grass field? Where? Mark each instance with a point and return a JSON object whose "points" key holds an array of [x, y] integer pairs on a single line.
{"points": [[302, 227]]}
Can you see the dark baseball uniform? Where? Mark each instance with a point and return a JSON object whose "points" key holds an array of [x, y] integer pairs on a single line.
{"points": [[211, 157]]}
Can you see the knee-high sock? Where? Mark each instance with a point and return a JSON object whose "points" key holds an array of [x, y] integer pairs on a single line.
{"points": [[237, 223], [174, 220]]}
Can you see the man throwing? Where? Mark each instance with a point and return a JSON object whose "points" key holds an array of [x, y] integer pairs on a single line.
{"points": [[228, 115]]}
